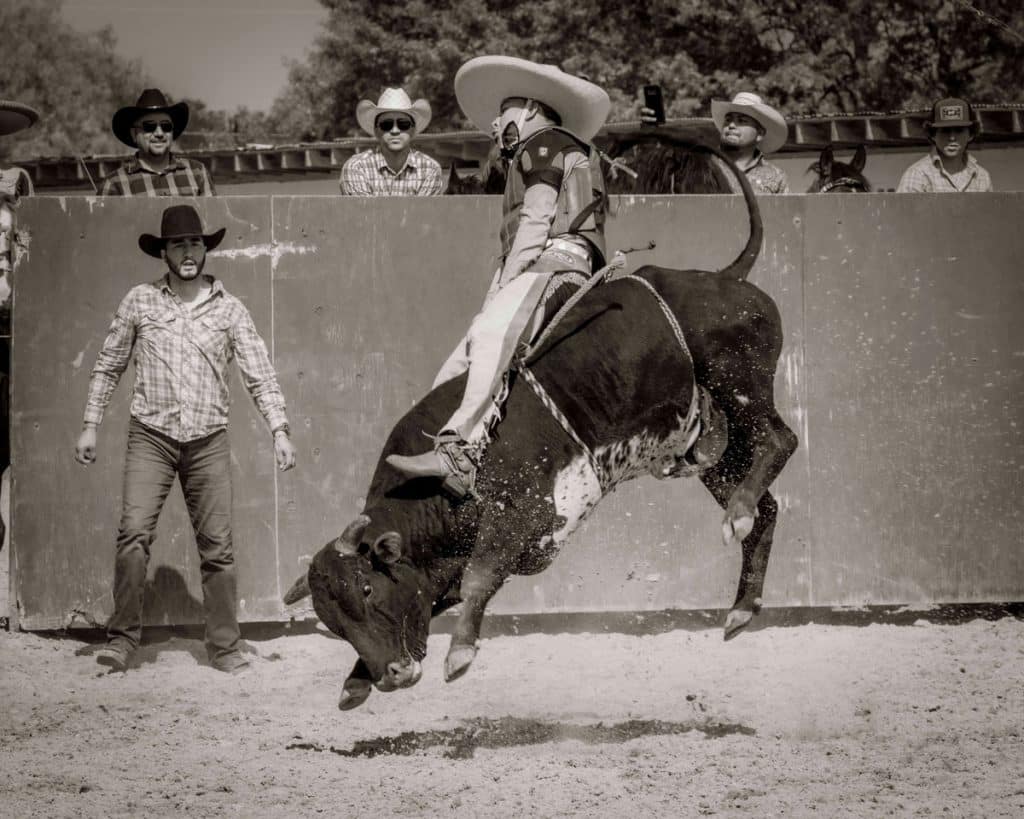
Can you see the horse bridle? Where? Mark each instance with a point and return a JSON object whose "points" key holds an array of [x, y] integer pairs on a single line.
{"points": [[848, 181]]}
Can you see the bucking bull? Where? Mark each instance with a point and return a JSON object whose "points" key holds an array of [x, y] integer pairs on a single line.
{"points": [[663, 372]]}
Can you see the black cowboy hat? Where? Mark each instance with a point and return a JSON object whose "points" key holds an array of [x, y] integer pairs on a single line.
{"points": [[16, 116], [178, 222], [151, 101]]}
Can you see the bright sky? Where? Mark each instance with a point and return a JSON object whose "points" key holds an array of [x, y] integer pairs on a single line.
{"points": [[225, 52]]}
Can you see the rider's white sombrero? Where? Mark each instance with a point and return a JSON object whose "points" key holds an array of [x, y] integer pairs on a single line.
{"points": [[393, 101], [16, 116], [484, 82], [775, 129]]}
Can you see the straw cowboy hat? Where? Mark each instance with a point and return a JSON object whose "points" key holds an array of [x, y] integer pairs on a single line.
{"points": [[775, 129], [178, 222], [393, 101], [15, 116], [484, 82], [151, 101]]}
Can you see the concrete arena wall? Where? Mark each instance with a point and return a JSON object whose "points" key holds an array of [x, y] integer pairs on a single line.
{"points": [[902, 374]]}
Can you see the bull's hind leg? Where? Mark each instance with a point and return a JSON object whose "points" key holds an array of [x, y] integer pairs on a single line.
{"points": [[754, 457]]}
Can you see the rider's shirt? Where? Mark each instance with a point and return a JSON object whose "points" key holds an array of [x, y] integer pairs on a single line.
{"points": [[553, 192]]}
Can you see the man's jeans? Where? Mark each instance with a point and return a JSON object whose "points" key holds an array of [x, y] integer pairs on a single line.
{"points": [[204, 470]]}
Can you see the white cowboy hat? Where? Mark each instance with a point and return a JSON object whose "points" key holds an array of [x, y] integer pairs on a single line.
{"points": [[776, 132], [393, 101], [16, 116], [484, 82]]}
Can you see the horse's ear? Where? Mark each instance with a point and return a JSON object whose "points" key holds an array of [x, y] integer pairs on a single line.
{"points": [[859, 159], [825, 162]]}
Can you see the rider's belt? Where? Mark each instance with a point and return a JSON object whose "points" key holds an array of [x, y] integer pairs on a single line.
{"points": [[569, 247]]}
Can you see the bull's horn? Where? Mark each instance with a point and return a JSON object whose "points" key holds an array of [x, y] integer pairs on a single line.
{"points": [[299, 589], [347, 543]]}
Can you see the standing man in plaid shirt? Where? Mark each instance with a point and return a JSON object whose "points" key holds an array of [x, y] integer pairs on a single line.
{"points": [[184, 329], [394, 167], [151, 126]]}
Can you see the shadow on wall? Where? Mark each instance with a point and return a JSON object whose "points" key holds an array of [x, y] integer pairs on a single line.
{"points": [[167, 599]]}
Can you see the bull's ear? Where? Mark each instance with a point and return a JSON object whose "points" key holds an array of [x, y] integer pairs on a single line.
{"points": [[388, 547]]}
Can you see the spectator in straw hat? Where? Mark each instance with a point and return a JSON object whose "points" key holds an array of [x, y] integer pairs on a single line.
{"points": [[181, 331], [394, 167], [151, 126], [948, 167], [552, 223], [750, 130]]}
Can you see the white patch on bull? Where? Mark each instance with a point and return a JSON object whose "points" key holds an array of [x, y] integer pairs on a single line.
{"points": [[576, 492], [647, 453]]}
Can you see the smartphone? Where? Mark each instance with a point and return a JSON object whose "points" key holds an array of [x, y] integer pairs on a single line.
{"points": [[653, 100]]}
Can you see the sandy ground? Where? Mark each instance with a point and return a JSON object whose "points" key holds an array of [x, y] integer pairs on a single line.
{"points": [[822, 720]]}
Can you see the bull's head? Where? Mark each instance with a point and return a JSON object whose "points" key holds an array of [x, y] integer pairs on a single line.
{"points": [[369, 594]]}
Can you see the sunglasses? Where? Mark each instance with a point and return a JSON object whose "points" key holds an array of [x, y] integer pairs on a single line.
{"points": [[389, 124], [164, 125]]}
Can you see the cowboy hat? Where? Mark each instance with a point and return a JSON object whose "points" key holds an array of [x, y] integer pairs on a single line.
{"points": [[393, 101], [483, 83], [15, 116], [178, 222], [776, 132], [952, 112], [151, 101]]}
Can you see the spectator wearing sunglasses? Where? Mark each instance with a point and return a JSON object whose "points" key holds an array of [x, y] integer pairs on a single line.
{"points": [[151, 126], [394, 167]]}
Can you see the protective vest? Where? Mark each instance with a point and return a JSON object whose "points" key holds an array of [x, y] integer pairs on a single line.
{"points": [[582, 199]]}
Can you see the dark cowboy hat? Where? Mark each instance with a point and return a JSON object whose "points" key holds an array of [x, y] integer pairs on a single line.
{"points": [[151, 101], [15, 116], [952, 112], [178, 222]]}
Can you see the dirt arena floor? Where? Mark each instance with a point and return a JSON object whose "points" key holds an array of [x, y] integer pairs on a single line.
{"points": [[920, 719]]}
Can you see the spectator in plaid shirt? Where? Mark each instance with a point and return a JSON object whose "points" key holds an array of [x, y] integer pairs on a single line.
{"points": [[948, 167], [151, 126], [184, 330], [394, 167]]}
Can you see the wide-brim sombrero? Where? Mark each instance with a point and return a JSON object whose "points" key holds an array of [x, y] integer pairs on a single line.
{"points": [[484, 82], [776, 132], [16, 116]]}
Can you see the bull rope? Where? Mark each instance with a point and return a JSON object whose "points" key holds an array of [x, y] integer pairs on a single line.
{"points": [[691, 426]]}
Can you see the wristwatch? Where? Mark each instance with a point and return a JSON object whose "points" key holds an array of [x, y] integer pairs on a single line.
{"points": [[283, 428]]}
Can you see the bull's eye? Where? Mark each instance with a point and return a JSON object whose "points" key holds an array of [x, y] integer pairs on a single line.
{"points": [[367, 589]]}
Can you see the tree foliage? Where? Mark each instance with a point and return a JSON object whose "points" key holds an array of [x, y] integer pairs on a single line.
{"points": [[804, 56], [74, 80]]}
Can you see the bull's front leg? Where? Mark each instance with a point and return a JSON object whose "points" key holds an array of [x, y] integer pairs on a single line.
{"points": [[745, 467], [482, 578], [770, 443], [357, 687]]}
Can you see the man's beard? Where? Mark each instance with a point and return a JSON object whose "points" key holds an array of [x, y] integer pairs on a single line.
{"points": [[176, 268]]}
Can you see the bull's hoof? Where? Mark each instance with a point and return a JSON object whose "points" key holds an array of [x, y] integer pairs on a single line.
{"points": [[458, 661], [736, 621], [354, 694]]}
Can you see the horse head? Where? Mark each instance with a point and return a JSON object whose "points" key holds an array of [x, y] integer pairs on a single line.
{"points": [[840, 177]]}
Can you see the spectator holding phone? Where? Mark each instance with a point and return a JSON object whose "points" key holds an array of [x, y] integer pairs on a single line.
{"points": [[751, 129]]}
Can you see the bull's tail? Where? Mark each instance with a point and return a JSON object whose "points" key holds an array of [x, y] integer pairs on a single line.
{"points": [[740, 267], [299, 590], [744, 263]]}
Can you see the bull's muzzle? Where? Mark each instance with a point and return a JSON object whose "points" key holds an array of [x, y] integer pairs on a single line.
{"points": [[400, 674]]}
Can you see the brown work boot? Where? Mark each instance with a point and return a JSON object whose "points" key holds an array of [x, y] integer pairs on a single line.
{"points": [[450, 461], [115, 654]]}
